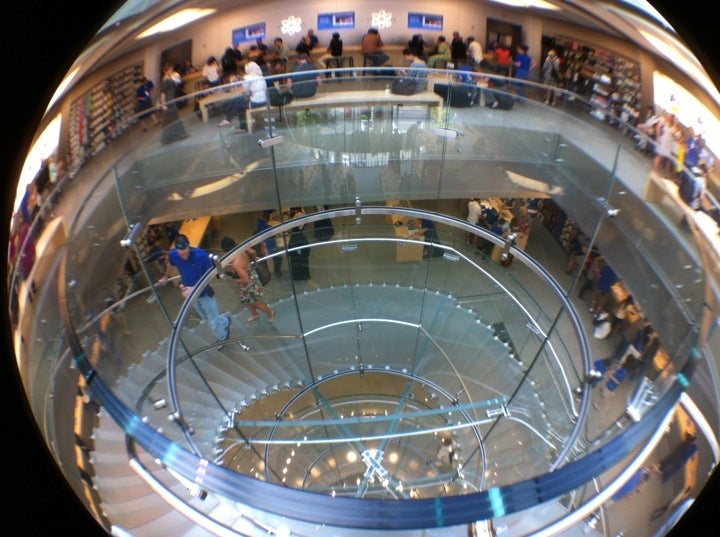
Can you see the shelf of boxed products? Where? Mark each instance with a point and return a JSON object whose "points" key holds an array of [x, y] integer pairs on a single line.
{"points": [[616, 89], [610, 81], [101, 114]]}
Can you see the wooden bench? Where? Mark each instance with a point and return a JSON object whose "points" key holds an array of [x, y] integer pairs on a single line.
{"points": [[218, 96], [334, 99]]}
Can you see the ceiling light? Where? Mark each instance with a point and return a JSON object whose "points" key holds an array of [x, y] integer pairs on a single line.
{"points": [[381, 19], [181, 18], [539, 4], [291, 26]]}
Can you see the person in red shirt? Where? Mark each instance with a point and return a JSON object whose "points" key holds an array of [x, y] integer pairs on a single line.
{"points": [[503, 57]]}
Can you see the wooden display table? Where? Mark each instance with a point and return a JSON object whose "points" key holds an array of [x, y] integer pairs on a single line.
{"points": [[520, 243], [406, 228]]}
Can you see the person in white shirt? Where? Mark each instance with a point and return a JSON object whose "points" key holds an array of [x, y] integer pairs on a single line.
{"points": [[253, 83], [474, 212], [211, 72], [474, 51]]}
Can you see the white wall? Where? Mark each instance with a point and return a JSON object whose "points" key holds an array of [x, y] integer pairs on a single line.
{"points": [[212, 35]]}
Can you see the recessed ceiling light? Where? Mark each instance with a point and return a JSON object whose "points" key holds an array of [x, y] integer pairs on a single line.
{"points": [[539, 4], [181, 18]]}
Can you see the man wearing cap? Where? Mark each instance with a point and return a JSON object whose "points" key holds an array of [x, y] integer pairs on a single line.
{"points": [[304, 78], [192, 263], [371, 48]]}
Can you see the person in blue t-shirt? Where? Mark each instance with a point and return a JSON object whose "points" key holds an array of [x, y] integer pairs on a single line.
{"points": [[523, 63], [145, 103], [417, 73], [192, 263], [490, 214], [605, 279], [692, 152], [305, 78], [313, 41]]}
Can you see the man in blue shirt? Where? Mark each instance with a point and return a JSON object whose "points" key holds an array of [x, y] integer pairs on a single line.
{"points": [[192, 263], [305, 78], [312, 39], [523, 64], [417, 71]]}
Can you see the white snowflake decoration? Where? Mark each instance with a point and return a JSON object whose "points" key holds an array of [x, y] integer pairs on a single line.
{"points": [[382, 19], [291, 26]]}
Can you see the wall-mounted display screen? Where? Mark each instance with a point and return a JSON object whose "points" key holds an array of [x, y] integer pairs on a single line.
{"points": [[425, 21], [329, 21], [248, 33]]}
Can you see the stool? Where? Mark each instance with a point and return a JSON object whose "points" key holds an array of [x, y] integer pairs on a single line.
{"points": [[336, 60], [367, 60], [347, 61], [339, 63]]}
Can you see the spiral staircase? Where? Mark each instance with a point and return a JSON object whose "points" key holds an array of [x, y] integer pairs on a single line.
{"points": [[446, 373]]}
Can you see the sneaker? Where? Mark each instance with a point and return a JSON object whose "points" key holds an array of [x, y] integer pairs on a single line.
{"points": [[224, 123], [227, 332], [253, 318]]}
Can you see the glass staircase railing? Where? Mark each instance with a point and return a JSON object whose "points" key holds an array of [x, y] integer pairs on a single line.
{"points": [[426, 322]]}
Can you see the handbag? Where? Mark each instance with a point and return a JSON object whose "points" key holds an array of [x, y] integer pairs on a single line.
{"points": [[279, 97], [404, 86], [263, 271]]}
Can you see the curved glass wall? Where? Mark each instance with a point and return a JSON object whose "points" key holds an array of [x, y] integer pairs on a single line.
{"points": [[455, 381]]}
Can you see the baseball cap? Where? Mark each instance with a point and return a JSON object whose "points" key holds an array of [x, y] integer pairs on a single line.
{"points": [[182, 242]]}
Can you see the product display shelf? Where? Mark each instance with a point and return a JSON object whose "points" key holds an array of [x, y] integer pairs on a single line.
{"points": [[610, 81], [101, 115]]}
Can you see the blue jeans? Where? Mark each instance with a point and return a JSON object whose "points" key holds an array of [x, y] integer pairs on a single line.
{"points": [[519, 86], [207, 308], [377, 58], [238, 106]]}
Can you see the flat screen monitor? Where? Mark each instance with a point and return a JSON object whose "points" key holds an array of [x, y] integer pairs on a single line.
{"points": [[425, 21], [332, 21], [248, 33]]}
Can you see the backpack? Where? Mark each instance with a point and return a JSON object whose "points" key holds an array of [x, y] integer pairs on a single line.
{"points": [[404, 86], [263, 271], [504, 101], [279, 97]]}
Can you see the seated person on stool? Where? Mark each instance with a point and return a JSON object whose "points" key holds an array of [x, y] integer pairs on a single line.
{"points": [[333, 54], [304, 85], [417, 73], [442, 52], [255, 84], [371, 49]]}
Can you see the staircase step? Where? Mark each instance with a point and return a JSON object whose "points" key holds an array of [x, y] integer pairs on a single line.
{"points": [[169, 523], [136, 512], [121, 488]]}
